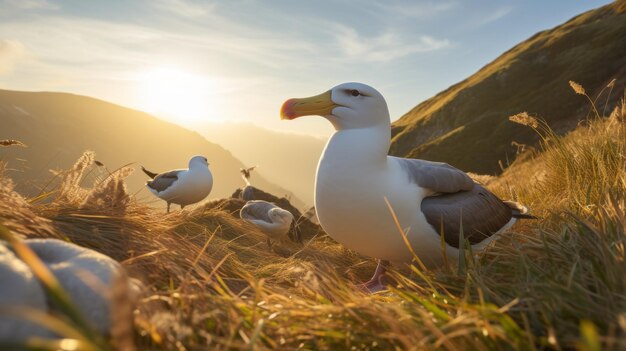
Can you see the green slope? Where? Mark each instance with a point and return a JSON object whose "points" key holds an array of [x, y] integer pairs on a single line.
{"points": [[467, 124]]}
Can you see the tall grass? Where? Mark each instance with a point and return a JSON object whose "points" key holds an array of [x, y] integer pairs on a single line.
{"points": [[211, 283]]}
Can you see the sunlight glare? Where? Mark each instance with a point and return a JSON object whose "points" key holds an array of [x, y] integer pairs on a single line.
{"points": [[177, 95]]}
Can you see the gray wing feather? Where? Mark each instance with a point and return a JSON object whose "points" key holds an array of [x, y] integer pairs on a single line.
{"points": [[481, 213], [436, 176], [257, 210], [164, 180]]}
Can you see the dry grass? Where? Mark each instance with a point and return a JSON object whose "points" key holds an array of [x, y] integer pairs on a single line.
{"points": [[211, 283]]}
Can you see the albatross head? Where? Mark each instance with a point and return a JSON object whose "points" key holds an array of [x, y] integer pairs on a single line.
{"points": [[278, 215], [346, 106], [198, 162]]}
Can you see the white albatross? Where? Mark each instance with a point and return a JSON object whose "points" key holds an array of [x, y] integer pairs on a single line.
{"points": [[272, 220], [355, 176], [182, 186]]}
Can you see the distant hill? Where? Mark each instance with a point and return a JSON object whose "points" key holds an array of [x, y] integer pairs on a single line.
{"points": [[287, 159], [58, 127], [467, 124]]}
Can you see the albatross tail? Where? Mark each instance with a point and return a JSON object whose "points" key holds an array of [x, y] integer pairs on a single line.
{"points": [[150, 174], [519, 210]]}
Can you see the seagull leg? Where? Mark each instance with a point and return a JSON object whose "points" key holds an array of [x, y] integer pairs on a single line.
{"points": [[168, 207], [269, 244], [376, 283], [182, 206]]}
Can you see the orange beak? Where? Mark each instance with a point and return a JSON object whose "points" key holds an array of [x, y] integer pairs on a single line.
{"points": [[320, 105]]}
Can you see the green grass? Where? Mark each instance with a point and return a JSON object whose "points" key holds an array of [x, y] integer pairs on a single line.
{"points": [[211, 282]]}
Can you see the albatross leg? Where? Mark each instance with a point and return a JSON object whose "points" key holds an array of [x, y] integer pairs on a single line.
{"points": [[269, 243], [168, 207], [376, 283]]}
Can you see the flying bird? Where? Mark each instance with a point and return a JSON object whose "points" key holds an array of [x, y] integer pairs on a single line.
{"points": [[245, 173], [358, 184], [272, 220], [182, 186], [247, 193]]}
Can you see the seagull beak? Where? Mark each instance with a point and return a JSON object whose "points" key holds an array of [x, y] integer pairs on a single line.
{"points": [[320, 105]]}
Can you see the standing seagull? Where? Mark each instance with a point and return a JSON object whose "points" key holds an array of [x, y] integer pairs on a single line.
{"points": [[182, 186], [272, 220], [355, 179]]}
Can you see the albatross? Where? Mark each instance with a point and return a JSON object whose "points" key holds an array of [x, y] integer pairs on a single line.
{"points": [[182, 186], [272, 220], [357, 182]]}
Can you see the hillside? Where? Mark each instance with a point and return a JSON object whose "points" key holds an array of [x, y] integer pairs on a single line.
{"points": [[555, 283], [58, 127], [467, 126], [285, 158]]}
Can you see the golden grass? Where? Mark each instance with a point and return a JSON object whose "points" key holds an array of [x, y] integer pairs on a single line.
{"points": [[211, 282]]}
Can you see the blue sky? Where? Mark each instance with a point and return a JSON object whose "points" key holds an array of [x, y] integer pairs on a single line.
{"points": [[238, 60]]}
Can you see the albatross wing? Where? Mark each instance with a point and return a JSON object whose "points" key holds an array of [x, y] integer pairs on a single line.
{"points": [[478, 212], [164, 180], [257, 210], [437, 176], [457, 202]]}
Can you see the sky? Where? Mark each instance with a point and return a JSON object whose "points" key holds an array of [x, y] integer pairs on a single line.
{"points": [[190, 62]]}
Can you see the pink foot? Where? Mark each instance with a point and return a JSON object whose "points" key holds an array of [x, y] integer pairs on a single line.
{"points": [[376, 283]]}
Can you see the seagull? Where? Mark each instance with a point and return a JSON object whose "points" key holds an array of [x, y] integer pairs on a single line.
{"points": [[182, 186], [247, 193], [358, 185], [272, 220]]}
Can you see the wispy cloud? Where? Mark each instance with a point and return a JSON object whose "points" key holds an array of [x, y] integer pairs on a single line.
{"points": [[11, 52], [495, 15], [28, 5], [384, 47], [419, 10], [185, 8]]}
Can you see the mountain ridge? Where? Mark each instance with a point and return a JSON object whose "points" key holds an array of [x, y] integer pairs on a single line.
{"points": [[467, 124], [58, 127]]}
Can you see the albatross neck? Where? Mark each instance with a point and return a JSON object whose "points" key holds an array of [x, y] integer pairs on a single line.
{"points": [[369, 144]]}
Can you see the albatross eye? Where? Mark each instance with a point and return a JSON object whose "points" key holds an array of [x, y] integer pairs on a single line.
{"points": [[354, 92]]}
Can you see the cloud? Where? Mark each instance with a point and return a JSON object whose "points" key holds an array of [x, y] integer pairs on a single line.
{"points": [[184, 8], [11, 52], [28, 5], [494, 16], [84, 49], [384, 47], [416, 10]]}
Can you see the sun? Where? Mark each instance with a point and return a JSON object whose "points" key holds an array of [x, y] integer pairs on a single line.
{"points": [[177, 95]]}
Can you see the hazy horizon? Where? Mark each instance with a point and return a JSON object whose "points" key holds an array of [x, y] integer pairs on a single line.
{"points": [[194, 61]]}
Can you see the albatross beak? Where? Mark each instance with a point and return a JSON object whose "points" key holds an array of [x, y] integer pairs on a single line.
{"points": [[320, 105]]}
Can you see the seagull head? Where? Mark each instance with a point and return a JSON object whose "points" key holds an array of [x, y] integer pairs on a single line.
{"points": [[198, 162], [346, 106], [278, 215]]}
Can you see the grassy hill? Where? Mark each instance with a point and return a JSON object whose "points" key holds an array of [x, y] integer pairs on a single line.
{"points": [[211, 282], [466, 125], [285, 158], [58, 127]]}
